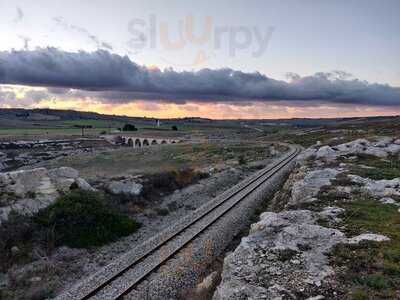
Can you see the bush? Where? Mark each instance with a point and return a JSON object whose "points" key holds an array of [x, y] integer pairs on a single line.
{"points": [[174, 128], [242, 160], [167, 182], [375, 281], [129, 127], [81, 219], [162, 211]]}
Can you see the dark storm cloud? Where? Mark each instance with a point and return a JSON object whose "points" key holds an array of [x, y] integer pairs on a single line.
{"points": [[116, 79]]}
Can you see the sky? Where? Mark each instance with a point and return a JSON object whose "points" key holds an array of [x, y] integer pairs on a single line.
{"points": [[215, 59]]}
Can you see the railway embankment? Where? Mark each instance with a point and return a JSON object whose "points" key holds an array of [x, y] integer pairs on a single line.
{"points": [[169, 265], [332, 232]]}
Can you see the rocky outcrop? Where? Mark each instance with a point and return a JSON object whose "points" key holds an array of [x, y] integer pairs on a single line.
{"points": [[284, 254], [304, 190], [378, 188], [382, 148], [28, 191]]}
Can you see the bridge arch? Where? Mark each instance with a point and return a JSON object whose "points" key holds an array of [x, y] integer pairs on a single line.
{"points": [[154, 142], [130, 142], [138, 143], [146, 142], [163, 142]]}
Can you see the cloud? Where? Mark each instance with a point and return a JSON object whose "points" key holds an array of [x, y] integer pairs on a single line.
{"points": [[19, 16], [9, 98], [69, 27], [116, 79]]}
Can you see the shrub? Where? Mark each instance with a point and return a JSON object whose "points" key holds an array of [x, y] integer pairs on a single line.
{"points": [[286, 254], [81, 219], [129, 127], [242, 160], [359, 295], [174, 128], [167, 182], [162, 211], [375, 281]]}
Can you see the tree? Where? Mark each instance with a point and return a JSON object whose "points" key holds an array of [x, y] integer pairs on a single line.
{"points": [[174, 128], [129, 127]]}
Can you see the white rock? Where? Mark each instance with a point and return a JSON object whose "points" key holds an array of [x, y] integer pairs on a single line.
{"points": [[354, 147], [304, 190], [319, 297], [306, 154], [15, 250], [326, 152], [278, 232], [387, 200], [83, 184], [376, 152], [378, 188], [393, 149], [368, 237], [331, 213], [125, 188], [383, 142], [31, 190], [382, 148], [35, 279]]}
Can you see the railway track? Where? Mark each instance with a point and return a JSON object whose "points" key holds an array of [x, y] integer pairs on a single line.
{"points": [[122, 276]]}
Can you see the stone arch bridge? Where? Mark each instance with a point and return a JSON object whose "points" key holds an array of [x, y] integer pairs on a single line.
{"points": [[139, 142]]}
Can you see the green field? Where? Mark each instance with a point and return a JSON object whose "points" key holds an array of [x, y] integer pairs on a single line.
{"points": [[44, 132]]}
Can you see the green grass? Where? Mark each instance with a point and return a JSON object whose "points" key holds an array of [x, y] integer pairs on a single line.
{"points": [[45, 132], [95, 123], [380, 168], [372, 269]]}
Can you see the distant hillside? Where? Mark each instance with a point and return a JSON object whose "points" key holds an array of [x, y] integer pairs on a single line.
{"points": [[18, 117]]}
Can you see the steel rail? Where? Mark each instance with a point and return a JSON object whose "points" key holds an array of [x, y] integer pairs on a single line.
{"points": [[261, 176]]}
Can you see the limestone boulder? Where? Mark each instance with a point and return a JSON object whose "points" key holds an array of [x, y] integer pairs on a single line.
{"points": [[326, 152], [383, 142], [368, 237], [378, 188], [306, 154], [285, 252], [28, 191], [306, 189], [127, 188]]}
